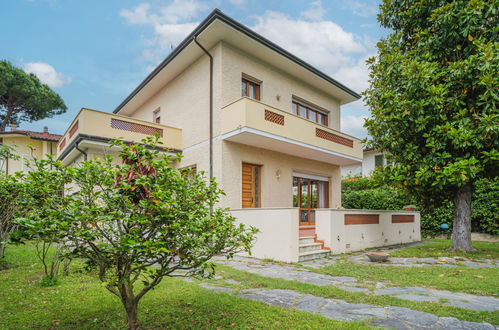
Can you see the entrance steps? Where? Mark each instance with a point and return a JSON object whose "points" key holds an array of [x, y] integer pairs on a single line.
{"points": [[310, 248]]}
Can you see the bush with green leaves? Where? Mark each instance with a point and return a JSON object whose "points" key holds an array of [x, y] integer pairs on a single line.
{"points": [[10, 190], [44, 188], [357, 183], [372, 194], [141, 220]]}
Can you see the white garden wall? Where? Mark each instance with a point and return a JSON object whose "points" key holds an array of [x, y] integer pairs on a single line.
{"points": [[278, 236], [353, 230]]}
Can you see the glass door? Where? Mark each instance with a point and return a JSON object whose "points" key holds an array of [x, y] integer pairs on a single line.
{"points": [[309, 194]]}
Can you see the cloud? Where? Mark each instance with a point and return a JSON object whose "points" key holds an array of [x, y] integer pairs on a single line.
{"points": [[137, 15], [238, 3], [354, 125], [310, 36], [360, 8], [47, 74], [315, 13], [322, 43], [171, 24]]}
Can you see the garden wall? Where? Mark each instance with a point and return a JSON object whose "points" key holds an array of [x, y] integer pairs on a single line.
{"points": [[346, 231], [278, 236]]}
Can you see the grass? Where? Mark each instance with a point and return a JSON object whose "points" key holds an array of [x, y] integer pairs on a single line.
{"points": [[478, 281], [483, 250], [80, 302], [250, 280]]}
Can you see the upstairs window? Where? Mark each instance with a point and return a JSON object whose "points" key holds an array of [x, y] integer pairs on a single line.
{"points": [[156, 116], [250, 89], [307, 112]]}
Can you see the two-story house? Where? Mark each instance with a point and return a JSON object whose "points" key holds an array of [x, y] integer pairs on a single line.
{"points": [[240, 108], [26, 145]]}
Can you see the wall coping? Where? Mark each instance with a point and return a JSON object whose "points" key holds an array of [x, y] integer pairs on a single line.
{"points": [[265, 208], [364, 210]]}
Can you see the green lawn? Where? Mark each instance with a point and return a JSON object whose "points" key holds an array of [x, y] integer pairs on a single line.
{"points": [[438, 248], [479, 281], [80, 302], [250, 280]]}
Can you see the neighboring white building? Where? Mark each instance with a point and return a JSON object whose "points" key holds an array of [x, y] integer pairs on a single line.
{"points": [[371, 160]]}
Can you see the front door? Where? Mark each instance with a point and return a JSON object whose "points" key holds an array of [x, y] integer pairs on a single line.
{"points": [[251, 178], [309, 194]]}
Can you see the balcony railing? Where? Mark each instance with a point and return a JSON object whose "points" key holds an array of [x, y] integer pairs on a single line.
{"points": [[246, 118], [105, 126]]}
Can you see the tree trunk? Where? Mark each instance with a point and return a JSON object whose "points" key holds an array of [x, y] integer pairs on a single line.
{"points": [[130, 303], [8, 115], [131, 307], [461, 231]]}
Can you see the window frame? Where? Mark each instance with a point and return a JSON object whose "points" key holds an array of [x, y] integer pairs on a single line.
{"points": [[295, 109], [248, 83]]}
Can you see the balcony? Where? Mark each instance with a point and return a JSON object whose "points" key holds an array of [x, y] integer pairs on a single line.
{"points": [[253, 123], [93, 128]]}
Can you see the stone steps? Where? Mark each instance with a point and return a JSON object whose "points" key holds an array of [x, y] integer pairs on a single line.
{"points": [[310, 249]]}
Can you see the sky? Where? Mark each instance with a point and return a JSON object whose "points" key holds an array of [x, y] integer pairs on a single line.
{"points": [[94, 53]]}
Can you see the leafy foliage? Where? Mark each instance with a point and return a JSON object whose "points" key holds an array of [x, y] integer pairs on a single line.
{"points": [[138, 221], [24, 98], [433, 96], [42, 198], [359, 183], [372, 194], [10, 191]]}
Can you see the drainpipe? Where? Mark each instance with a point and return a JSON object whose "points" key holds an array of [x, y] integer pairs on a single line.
{"points": [[211, 104], [77, 147]]}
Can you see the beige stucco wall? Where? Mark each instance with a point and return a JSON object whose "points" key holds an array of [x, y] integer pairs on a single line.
{"points": [[341, 238], [184, 103], [275, 83], [281, 247], [276, 192], [20, 144]]}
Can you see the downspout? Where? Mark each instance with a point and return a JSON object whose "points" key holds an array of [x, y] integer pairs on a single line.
{"points": [[77, 147], [211, 104]]}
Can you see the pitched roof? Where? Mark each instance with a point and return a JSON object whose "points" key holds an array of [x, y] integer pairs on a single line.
{"points": [[228, 21], [35, 135]]}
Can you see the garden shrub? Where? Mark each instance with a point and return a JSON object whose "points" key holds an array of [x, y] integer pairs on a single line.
{"points": [[370, 194]]}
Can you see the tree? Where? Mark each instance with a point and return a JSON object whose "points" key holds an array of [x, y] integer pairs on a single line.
{"points": [[24, 98], [10, 190], [44, 188], [433, 97], [141, 220]]}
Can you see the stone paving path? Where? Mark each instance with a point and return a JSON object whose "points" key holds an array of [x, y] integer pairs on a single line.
{"points": [[390, 317], [289, 272]]}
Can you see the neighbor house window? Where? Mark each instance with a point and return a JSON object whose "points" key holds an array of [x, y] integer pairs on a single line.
{"points": [[378, 160], [156, 116], [308, 112], [250, 89]]}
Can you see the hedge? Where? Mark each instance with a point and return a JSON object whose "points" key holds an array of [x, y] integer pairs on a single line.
{"points": [[366, 193]]}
